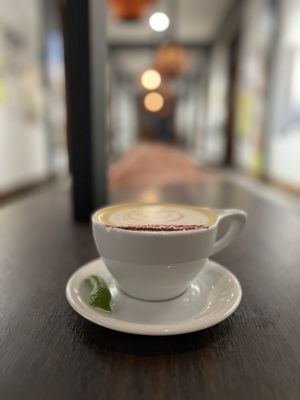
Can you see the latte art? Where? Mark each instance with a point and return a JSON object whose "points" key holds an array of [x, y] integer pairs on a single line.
{"points": [[153, 214], [156, 217]]}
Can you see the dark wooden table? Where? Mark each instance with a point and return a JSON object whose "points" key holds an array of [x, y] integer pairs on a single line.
{"points": [[48, 352]]}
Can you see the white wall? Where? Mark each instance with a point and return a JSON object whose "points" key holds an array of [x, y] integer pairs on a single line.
{"points": [[214, 140], [23, 141], [284, 154], [252, 86]]}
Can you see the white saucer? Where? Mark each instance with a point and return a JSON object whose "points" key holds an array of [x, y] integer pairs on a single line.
{"points": [[213, 295]]}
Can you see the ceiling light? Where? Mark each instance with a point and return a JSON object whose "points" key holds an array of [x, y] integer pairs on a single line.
{"points": [[159, 22], [151, 79], [153, 101]]}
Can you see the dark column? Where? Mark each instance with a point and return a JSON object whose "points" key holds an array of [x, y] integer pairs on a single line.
{"points": [[85, 59]]}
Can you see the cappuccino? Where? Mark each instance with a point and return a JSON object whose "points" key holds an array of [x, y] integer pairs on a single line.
{"points": [[156, 217], [154, 251]]}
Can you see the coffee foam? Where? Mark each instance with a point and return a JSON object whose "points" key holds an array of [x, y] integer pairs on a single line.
{"points": [[126, 215]]}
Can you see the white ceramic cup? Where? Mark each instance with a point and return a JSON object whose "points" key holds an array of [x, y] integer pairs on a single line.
{"points": [[160, 265]]}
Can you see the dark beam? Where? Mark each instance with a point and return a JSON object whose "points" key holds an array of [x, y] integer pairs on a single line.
{"points": [[230, 21], [117, 46], [98, 57], [85, 69]]}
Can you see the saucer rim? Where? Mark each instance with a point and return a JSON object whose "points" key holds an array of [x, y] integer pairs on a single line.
{"points": [[107, 320]]}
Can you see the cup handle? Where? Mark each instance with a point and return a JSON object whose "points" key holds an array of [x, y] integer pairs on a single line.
{"points": [[237, 219]]}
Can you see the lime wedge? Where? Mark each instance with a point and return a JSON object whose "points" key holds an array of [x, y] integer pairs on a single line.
{"points": [[100, 295]]}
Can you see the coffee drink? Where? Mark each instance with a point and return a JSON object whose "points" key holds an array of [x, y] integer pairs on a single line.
{"points": [[156, 217], [154, 251]]}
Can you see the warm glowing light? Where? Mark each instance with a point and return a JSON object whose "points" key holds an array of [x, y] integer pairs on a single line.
{"points": [[128, 9], [159, 22], [171, 59], [151, 79], [153, 101]]}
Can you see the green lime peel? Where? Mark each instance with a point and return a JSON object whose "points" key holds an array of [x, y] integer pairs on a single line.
{"points": [[100, 295]]}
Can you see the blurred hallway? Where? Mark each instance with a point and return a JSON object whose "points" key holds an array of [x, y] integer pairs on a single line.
{"points": [[216, 83]]}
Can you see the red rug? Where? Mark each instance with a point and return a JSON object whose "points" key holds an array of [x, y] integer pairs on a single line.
{"points": [[154, 165]]}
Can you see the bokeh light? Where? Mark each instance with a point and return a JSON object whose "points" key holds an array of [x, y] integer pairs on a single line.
{"points": [[151, 79], [153, 101], [159, 22]]}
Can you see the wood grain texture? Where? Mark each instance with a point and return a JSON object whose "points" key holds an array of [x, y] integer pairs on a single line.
{"points": [[49, 352]]}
